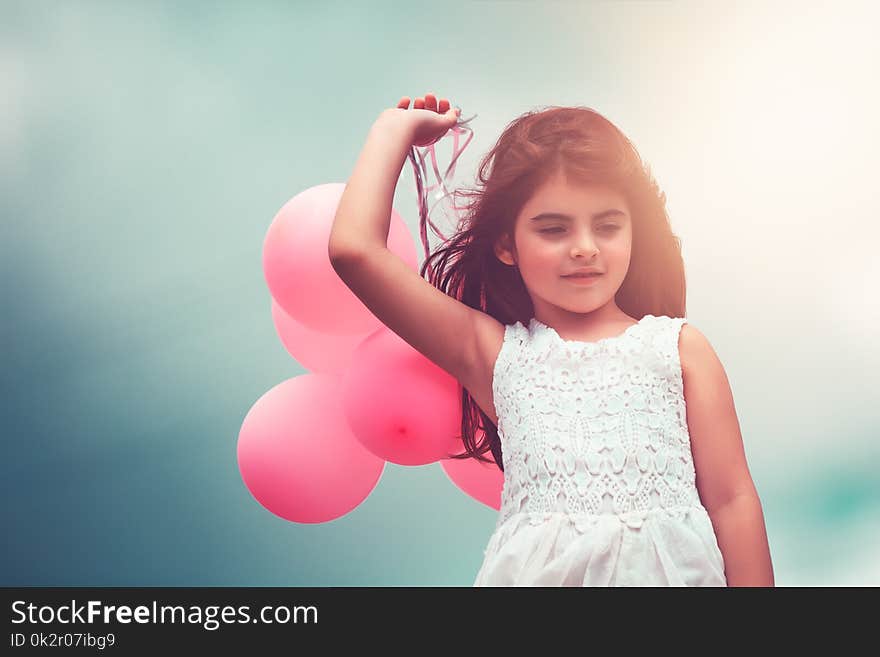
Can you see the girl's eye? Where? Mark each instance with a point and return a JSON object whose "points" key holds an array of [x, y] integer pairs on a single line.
{"points": [[557, 229]]}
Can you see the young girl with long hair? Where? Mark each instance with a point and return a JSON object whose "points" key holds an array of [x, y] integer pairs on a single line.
{"points": [[559, 306]]}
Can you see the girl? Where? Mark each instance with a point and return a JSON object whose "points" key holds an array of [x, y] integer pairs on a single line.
{"points": [[559, 307]]}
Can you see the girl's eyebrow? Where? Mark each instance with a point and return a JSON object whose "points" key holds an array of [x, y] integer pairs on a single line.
{"points": [[613, 212]]}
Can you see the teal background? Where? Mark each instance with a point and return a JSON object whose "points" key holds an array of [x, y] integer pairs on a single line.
{"points": [[146, 147]]}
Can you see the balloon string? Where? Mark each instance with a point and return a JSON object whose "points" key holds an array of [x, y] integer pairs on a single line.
{"points": [[420, 170]]}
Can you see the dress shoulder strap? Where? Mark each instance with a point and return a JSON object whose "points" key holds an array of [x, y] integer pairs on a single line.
{"points": [[665, 336], [515, 338]]}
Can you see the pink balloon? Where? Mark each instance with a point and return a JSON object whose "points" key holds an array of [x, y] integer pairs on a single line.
{"points": [[297, 455], [482, 481], [317, 351], [400, 405], [298, 270]]}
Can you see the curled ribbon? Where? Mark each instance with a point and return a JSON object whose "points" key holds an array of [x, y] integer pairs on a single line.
{"points": [[420, 169]]}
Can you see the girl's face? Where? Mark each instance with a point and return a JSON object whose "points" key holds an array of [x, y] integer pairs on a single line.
{"points": [[582, 226]]}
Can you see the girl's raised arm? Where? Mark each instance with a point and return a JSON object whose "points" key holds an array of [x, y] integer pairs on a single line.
{"points": [[449, 333]]}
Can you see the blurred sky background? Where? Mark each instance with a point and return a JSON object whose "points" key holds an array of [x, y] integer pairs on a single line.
{"points": [[146, 147]]}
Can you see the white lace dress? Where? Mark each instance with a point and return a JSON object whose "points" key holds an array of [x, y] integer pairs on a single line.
{"points": [[599, 482]]}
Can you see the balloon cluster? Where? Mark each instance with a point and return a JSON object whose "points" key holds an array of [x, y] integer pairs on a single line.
{"points": [[314, 447]]}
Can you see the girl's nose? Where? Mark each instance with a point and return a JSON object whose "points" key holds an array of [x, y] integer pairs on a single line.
{"points": [[583, 244]]}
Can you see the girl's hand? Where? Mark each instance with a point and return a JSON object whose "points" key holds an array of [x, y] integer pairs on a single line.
{"points": [[426, 122]]}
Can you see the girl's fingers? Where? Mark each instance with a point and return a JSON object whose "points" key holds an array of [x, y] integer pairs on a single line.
{"points": [[429, 102]]}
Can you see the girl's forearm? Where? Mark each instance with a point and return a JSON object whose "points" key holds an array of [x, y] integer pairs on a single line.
{"points": [[363, 216], [742, 538]]}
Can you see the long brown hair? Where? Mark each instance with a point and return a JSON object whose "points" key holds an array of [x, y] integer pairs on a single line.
{"points": [[586, 147]]}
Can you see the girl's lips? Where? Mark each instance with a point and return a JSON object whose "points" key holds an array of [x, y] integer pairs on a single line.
{"points": [[583, 280]]}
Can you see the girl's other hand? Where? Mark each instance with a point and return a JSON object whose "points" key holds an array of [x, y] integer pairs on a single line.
{"points": [[426, 122]]}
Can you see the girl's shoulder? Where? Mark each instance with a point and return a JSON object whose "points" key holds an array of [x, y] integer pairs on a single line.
{"points": [[694, 347]]}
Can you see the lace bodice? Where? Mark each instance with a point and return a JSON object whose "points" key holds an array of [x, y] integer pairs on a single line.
{"points": [[593, 427]]}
